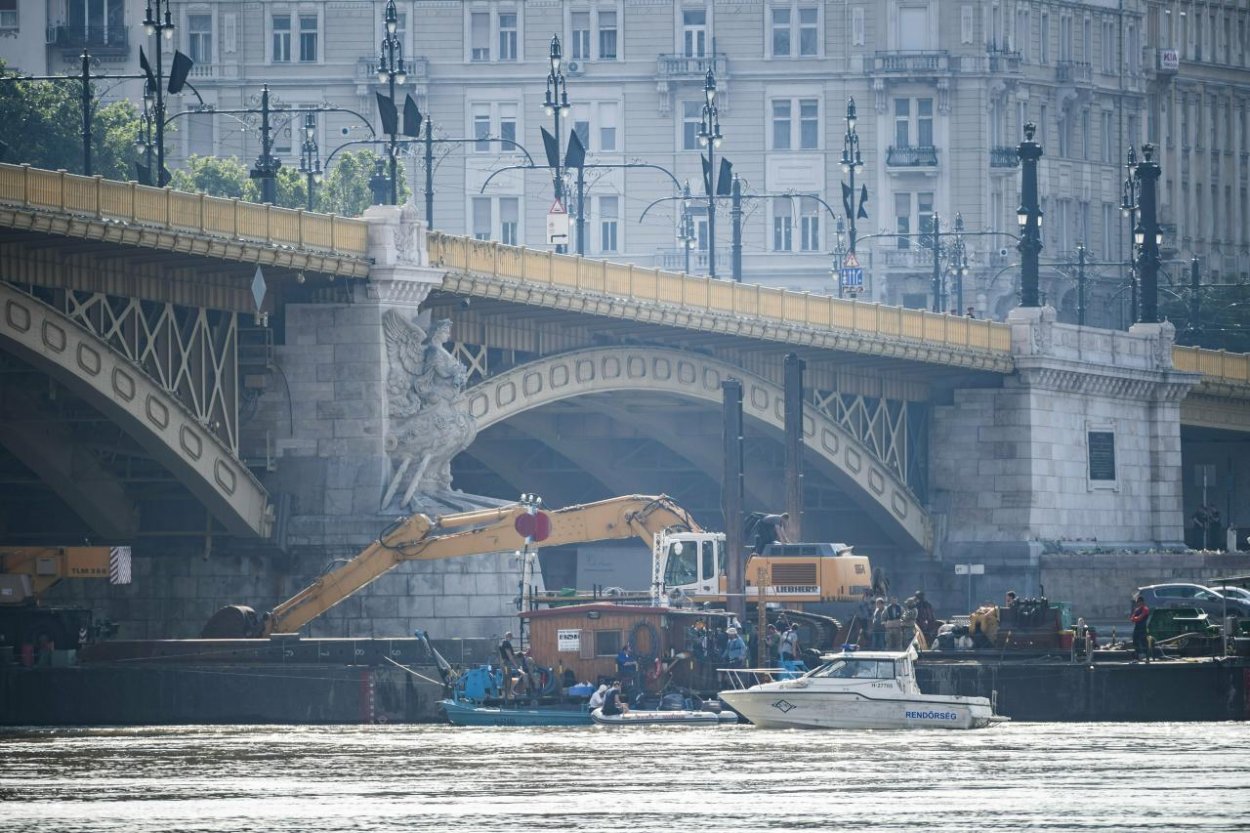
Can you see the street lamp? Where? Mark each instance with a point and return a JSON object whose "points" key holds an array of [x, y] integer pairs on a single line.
{"points": [[267, 165], [839, 255], [556, 104], [685, 230], [851, 160], [160, 26], [378, 182], [710, 137], [310, 157], [1029, 215], [391, 71], [959, 262], [1128, 205], [1149, 238], [144, 141]]}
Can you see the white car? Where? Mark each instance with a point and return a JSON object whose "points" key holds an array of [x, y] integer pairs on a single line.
{"points": [[1241, 594]]}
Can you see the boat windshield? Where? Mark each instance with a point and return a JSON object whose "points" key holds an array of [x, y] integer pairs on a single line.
{"points": [[859, 669]]}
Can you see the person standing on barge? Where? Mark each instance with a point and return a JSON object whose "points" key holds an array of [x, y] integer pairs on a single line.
{"points": [[1139, 617]]}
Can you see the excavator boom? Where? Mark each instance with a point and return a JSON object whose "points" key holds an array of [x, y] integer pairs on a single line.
{"points": [[26, 573], [420, 538]]}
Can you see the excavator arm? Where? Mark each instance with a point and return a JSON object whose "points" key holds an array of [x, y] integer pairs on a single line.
{"points": [[26, 573], [420, 538]]}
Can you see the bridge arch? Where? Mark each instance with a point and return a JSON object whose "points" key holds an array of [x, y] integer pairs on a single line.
{"points": [[617, 369], [114, 385]]}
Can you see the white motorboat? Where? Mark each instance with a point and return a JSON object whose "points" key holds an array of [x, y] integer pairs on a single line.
{"points": [[854, 690]]}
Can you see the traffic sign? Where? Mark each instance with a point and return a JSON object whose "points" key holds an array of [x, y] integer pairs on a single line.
{"points": [[853, 277], [557, 224], [557, 207], [851, 261]]}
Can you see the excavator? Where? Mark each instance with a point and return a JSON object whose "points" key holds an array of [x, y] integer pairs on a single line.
{"points": [[688, 563], [27, 573]]}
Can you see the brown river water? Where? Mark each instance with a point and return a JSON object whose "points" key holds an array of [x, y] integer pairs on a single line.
{"points": [[230, 779]]}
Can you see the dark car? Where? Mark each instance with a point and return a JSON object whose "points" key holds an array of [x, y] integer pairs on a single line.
{"points": [[1193, 595]]}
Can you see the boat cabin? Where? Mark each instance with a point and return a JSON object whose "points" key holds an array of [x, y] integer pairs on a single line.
{"points": [[674, 648]]}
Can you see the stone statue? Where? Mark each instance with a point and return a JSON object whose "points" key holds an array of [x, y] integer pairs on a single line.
{"points": [[428, 422]]}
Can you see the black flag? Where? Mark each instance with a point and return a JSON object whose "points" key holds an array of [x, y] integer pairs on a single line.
{"points": [[846, 200], [412, 118], [178, 72], [390, 116], [707, 175], [725, 179], [575, 156], [552, 148], [143, 174], [863, 199], [147, 70]]}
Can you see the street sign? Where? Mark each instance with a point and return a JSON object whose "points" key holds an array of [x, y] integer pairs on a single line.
{"points": [[852, 278], [851, 261], [969, 569], [557, 224]]}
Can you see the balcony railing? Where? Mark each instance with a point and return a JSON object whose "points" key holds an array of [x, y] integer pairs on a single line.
{"points": [[94, 37], [418, 68], [1003, 156], [674, 260], [911, 156], [1001, 62], [691, 66], [1073, 72], [912, 257], [910, 63]]}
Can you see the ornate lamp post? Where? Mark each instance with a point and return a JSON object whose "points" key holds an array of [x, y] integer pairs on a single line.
{"points": [[267, 165], [959, 262], [1029, 215], [144, 140], [839, 255], [161, 26], [685, 231], [1128, 205], [1147, 235], [310, 158], [556, 104], [391, 71], [710, 137], [851, 160]]}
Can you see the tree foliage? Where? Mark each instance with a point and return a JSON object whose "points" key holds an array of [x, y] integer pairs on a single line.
{"points": [[346, 188], [216, 176], [42, 126]]}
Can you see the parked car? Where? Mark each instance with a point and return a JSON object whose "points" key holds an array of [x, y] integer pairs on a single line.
{"points": [[1194, 595], [1241, 594]]}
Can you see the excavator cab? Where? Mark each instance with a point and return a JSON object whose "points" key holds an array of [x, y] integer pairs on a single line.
{"points": [[691, 564]]}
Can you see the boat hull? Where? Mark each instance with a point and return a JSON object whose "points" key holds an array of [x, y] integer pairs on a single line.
{"points": [[791, 709], [470, 714], [672, 717]]}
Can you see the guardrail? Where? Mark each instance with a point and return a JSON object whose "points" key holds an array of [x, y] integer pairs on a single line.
{"points": [[130, 202], [1214, 365], [714, 296]]}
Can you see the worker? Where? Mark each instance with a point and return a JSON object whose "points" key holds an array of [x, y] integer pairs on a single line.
{"points": [[613, 704], [770, 528], [627, 665], [1139, 617], [597, 699], [926, 619], [789, 648], [772, 644], [512, 674], [894, 625], [876, 627], [735, 649]]}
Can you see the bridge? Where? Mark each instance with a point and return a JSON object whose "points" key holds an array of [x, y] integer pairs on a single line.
{"points": [[183, 369]]}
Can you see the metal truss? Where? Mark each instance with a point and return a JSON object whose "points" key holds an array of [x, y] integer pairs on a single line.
{"points": [[893, 430], [190, 352]]}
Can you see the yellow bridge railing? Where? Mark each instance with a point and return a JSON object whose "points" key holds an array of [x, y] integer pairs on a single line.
{"points": [[179, 211], [1214, 365], [715, 296]]}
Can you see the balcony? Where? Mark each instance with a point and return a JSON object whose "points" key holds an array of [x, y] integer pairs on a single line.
{"points": [[367, 69], [921, 64], [97, 38], [1004, 156], [676, 67], [1073, 72], [911, 156], [674, 260], [910, 258], [1004, 62]]}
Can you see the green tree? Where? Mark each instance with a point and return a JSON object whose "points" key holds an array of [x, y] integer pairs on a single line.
{"points": [[292, 187], [346, 188], [216, 176], [42, 126]]}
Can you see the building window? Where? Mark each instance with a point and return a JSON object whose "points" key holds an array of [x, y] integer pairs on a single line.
{"points": [[507, 127], [1022, 33], [1108, 232], [607, 36], [579, 36], [902, 122], [481, 218], [8, 14], [924, 122], [281, 39], [1108, 47], [308, 38], [924, 216], [607, 126], [1107, 136], [199, 38], [509, 221], [966, 34], [691, 117], [607, 643], [857, 26], [783, 225], [809, 224], [581, 123], [902, 219], [491, 122], [694, 32], [781, 32], [479, 36], [609, 224], [809, 32], [507, 36], [785, 111], [481, 128], [1043, 38], [1085, 135]]}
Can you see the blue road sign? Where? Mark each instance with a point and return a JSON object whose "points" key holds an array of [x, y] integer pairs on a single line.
{"points": [[853, 278]]}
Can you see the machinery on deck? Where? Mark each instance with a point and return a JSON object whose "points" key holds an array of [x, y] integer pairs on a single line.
{"points": [[27, 573], [688, 562]]}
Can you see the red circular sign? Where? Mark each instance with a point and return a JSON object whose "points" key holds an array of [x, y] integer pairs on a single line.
{"points": [[536, 527]]}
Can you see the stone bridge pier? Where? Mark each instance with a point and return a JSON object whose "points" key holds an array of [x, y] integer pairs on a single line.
{"points": [[1079, 451]]}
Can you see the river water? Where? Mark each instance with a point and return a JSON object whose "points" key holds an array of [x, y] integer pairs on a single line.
{"points": [[1068, 777]]}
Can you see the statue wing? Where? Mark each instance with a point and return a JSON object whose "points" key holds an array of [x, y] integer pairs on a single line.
{"points": [[405, 353]]}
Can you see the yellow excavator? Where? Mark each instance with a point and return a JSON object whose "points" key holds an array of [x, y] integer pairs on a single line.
{"points": [[688, 563], [27, 573]]}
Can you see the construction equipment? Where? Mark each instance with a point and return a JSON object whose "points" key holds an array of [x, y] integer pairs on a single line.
{"points": [[688, 563], [27, 573]]}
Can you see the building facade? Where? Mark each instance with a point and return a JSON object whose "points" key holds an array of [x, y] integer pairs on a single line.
{"points": [[942, 88]]}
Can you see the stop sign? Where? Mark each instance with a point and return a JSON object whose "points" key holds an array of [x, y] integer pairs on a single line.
{"points": [[535, 527]]}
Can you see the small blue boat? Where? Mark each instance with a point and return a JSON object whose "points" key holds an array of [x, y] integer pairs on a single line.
{"points": [[462, 713]]}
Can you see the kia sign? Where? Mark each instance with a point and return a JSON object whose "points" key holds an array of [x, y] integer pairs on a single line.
{"points": [[1169, 60]]}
